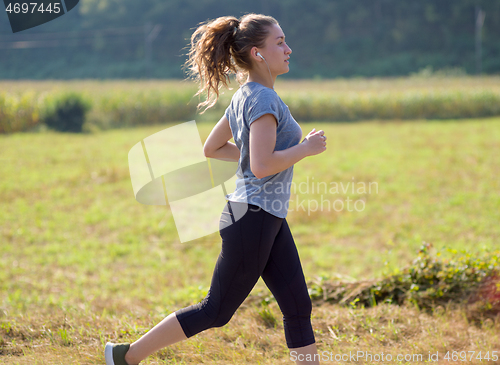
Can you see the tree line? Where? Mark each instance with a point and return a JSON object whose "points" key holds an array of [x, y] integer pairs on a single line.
{"points": [[329, 38]]}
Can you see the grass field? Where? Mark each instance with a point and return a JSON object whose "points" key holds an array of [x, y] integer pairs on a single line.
{"points": [[82, 262]]}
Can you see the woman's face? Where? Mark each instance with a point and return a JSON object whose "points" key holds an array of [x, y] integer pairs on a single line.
{"points": [[276, 51]]}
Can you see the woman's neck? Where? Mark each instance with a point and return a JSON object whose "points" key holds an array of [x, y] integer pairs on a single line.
{"points": [[263, 79]]}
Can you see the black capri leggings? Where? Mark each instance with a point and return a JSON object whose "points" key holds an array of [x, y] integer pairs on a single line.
{"points": [[257, 244]]}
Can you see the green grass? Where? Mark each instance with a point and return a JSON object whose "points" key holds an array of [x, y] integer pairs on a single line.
{"points": [[436, 183], [82, 262]]}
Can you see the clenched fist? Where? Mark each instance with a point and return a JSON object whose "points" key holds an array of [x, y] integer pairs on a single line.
{"points": [[315, 142]]}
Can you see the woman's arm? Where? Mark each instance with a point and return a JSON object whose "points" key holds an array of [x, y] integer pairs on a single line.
{"points": [[265, 161], [217, 145]]}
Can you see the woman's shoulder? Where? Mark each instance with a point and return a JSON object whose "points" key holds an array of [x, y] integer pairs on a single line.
{"points": [[256, 92], [254, 96]]}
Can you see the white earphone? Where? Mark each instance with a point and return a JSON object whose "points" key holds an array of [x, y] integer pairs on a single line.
{"points": [[258, 54]]}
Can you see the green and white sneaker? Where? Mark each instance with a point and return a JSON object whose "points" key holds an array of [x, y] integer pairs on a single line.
{"points": [[114, 353]]}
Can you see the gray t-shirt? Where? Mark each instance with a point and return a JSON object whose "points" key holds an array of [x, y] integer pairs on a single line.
{"points": [[250, 102]]}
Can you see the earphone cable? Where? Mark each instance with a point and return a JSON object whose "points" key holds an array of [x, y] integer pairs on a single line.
{"points": [[269, 71]]}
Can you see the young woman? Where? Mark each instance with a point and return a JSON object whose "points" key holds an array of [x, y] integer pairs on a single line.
{"points": [[256, 239]]}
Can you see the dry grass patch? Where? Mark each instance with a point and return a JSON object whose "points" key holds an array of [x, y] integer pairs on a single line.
{"points": [[251, 337]]}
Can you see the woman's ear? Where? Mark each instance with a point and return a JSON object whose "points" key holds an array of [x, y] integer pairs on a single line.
{"points": [[253, 53]]}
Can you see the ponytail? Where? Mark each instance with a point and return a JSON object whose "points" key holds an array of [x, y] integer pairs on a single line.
{"points": [[221, 47]]}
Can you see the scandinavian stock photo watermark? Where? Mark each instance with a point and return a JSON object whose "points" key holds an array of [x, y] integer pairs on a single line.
{"points": [[315, 195], [29, 14], [385, 358], [168, 169]]}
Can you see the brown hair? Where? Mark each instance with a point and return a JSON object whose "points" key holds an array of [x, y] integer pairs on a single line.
{"points": [[222, 46]]}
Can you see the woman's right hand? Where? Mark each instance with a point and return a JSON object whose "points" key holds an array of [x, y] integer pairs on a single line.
{"points": [[315, 142]]}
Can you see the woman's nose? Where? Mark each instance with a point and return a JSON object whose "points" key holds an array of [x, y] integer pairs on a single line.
{"points": [[288, 49]]}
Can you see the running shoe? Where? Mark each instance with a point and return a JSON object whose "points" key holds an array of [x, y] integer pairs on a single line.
{"points": [[114, 353]]}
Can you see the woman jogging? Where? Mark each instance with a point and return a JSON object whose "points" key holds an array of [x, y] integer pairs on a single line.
{"points": [[256, 239]]}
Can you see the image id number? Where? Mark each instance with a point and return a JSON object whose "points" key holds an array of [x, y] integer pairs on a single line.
{"points": [[469, 355], [35, 7]]}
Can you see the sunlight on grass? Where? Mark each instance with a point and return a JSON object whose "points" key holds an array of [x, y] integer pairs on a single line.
{"points": [[83, 262]]}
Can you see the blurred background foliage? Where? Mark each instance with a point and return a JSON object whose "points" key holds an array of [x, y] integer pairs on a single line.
{"points": [[329, 38]]}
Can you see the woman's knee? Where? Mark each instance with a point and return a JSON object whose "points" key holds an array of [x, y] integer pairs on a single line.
{"points": [[303, 306], [217, 315], [222, 320]]}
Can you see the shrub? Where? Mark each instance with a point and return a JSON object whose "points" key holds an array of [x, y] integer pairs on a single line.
{"points": [[429, 281], [66, 112]]}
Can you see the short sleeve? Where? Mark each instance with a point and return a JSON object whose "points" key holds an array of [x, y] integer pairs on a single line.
{"points": [[227, 113], [264, 102]]}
